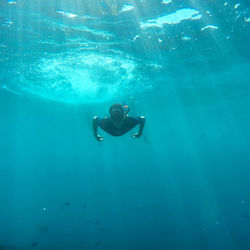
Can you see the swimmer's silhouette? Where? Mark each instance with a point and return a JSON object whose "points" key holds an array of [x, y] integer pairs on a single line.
{"points": [[119, 123]]}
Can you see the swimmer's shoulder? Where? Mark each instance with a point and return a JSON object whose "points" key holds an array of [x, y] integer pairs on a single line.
{"points": [[135, 119], [104, 120]]}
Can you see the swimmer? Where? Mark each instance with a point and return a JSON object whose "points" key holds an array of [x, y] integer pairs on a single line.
{"points": [[119, 123]]}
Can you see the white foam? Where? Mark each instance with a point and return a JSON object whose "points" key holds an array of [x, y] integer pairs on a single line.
{"points": [[196, 17], [212, 27], [136, 37], [66, 27], [126, 7], [11, 2], [236, 5], [166, 1], [88, 17], [173, 18], [67, 14], [80, 77], [186, 38], [9, 22], [247, 19]]}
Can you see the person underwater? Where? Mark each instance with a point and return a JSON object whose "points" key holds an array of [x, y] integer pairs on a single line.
{"points": [[119, 123]]}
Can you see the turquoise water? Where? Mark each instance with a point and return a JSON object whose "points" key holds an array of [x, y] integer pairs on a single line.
{"points": [[184, 65]]}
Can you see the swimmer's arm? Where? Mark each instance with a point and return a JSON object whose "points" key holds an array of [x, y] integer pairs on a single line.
{"points": [[95, 126], [141, 124]]}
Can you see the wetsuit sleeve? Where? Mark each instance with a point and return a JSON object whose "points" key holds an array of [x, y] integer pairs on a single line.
{"points": [[95, 124], [141, 121], [137, 119]]}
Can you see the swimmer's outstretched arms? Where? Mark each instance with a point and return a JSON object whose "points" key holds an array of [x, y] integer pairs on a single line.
{"points": [[118, 123]]}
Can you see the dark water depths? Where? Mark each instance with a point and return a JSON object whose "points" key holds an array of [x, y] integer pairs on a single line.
{"points": [[182, 64]]}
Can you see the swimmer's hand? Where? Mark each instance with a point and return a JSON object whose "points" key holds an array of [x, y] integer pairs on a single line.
{"points": [[99, 138], [141, 122], [137, 135]]}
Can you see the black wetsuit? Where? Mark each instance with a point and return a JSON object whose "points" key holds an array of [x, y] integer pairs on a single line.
{"points": [[108, 126]]}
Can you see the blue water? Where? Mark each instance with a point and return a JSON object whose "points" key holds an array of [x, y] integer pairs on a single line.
{"points": [[184, 65]]}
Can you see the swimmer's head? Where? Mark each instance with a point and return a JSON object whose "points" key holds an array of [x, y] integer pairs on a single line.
{"points": [[116, 112]]}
